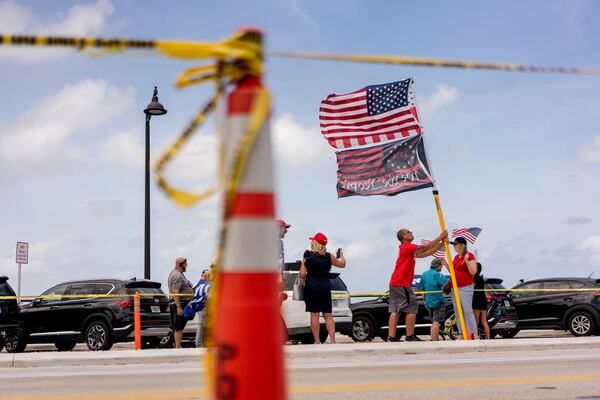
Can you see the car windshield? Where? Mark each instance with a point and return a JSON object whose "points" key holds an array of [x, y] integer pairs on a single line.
{"points": [[144, 290], [5, 290], [338, 284], [495, 286]]}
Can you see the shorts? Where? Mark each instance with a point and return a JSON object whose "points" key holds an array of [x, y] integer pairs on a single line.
{"points": [[402, 299], [178, 322], [438, 313]]}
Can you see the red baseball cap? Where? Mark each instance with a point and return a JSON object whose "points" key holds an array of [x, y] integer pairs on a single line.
{"points": [[319, 238], [282, 223]]}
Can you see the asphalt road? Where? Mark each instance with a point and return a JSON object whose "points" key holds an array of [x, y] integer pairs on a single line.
{"points": [[531, 375]]}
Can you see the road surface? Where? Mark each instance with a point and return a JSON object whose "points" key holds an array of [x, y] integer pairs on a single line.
{"points": [[555, 374]]}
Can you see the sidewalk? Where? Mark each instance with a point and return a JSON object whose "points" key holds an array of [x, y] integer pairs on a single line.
{"points": [[380, 350]]}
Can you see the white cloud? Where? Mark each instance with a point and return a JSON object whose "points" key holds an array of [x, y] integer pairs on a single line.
{"points": [[590, 152], [78, 20], [358, 250], [592, 246], [442, 97], [123, 149], [43, 138], [196, 162], [297, 145]]}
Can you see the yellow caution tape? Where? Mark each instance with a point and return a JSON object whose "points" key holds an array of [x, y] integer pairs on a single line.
{"points": [[245, 46], [93, 296], [476, 290], [432, 62]]}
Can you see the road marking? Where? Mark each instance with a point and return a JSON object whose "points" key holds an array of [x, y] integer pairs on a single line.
{"points": [[385, 386]]}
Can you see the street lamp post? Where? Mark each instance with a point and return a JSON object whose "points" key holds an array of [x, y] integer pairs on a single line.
{"points": [[154, 108]]}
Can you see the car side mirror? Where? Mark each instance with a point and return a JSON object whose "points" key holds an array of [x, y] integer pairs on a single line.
{"points": [[36, 302], [383, 299]]}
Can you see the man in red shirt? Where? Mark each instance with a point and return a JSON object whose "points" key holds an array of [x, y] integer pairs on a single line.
{"points": [[402, 298]]}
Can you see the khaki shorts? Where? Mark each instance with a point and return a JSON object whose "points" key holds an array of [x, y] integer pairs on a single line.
{"points": [[402, 299]]}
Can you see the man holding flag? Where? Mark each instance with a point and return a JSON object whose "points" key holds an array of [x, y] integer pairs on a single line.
{"points": [[402, 298], [378, 136]]}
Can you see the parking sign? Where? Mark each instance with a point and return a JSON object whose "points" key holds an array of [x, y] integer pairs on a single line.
{"points": [[22, 253]]}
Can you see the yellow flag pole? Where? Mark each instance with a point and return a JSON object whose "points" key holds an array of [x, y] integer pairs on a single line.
{"points": [[461, 318], [438, 207]]}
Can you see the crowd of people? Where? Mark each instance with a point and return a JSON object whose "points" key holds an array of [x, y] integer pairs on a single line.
{"points": [[188, 299]]}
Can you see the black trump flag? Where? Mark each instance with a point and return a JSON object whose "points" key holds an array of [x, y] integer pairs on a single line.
{"points": [[386, 169]]}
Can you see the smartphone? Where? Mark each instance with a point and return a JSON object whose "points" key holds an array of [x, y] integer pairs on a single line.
{"points": [[339, 252]]}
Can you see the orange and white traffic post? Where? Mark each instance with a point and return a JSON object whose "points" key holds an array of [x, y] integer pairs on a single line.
{"points": [[248, 337], [137, 321]]}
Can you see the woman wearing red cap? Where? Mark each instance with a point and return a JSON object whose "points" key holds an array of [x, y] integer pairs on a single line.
{"points": [[315, 267]]}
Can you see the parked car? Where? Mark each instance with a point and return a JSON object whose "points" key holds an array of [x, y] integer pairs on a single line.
{"points": [[502, 314], [297, 319], [370, 318], [66, 318], [573, 310], [9, 312]]}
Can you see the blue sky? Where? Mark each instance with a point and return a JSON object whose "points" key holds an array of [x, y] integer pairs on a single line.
{"points": [[517, 154]]}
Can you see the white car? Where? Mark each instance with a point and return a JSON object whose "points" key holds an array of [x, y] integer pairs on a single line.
{"points": [[297, 319]]}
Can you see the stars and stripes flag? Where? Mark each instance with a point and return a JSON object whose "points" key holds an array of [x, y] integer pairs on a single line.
{"points": [[371, 115], [441, 254], [470, 234], [386, 169]]}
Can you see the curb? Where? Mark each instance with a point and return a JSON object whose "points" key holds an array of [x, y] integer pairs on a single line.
{"points": [[366, 350]]}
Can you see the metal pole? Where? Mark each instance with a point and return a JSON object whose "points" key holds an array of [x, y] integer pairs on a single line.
{"points": [[147, 203], [19, 285]]}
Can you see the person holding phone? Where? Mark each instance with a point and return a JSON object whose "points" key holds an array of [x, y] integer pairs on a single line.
{"points": [[315, 267], [464, 269]]}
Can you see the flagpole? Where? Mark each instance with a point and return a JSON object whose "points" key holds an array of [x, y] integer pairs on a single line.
{"points": [[438, 207]]}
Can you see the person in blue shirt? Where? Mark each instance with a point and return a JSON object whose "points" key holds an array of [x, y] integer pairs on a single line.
{"points": [[431, 281]]}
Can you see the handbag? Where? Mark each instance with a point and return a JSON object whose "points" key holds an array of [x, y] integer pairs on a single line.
{"points": [[298, 290]]}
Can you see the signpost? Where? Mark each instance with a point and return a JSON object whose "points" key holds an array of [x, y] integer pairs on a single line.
{"points": [[22, 257]]}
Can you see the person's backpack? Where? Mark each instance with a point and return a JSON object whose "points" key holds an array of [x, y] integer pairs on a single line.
{"points": [[199, 301]]}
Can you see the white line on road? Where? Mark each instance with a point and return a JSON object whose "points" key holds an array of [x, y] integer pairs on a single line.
{"points": [[12, 373]]}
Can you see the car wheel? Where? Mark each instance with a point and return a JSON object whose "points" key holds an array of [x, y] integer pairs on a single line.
{"points": [[363, 329], [509, 333], [65, 346], [307, 339], [15, 342], [97, 336], [581, 324]]}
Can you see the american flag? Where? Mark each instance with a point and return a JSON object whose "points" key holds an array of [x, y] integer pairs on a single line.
{"points": [[470, 234], [373, 114], [441, 254], [385, 169]]}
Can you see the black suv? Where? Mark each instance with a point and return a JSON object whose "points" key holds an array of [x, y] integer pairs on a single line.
{"points": [[576, 310], [9, 312], [98, 321]]}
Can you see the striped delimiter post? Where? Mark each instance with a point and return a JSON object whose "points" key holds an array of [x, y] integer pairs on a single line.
{"points": [[248, 334]]}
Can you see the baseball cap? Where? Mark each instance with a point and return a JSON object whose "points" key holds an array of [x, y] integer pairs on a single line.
{"points": [[459, 240], [319, 238], [282, 223]]}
